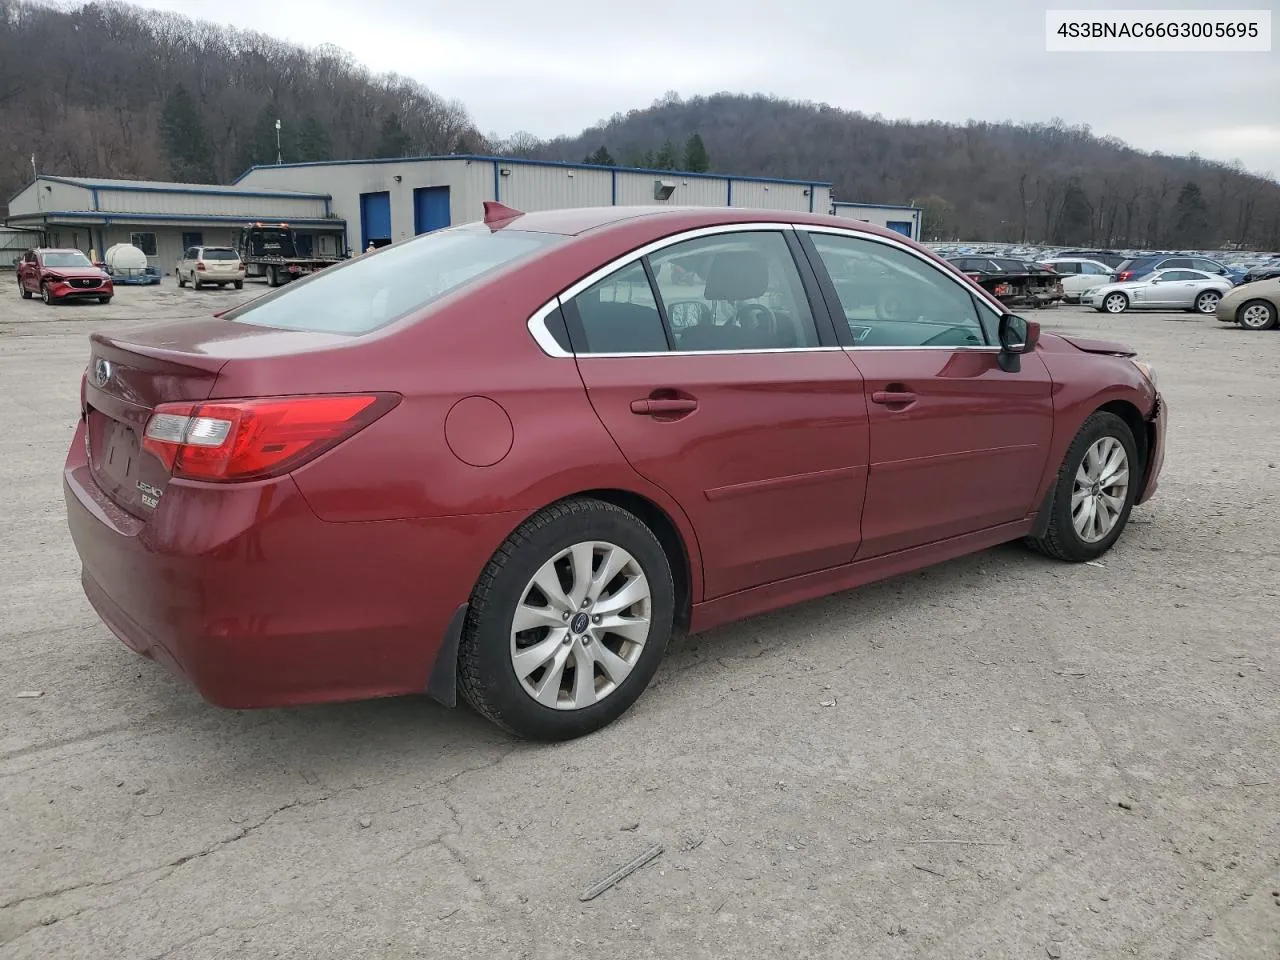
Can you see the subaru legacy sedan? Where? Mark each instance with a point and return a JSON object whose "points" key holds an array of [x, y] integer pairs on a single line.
{"points": [[508, 459]]}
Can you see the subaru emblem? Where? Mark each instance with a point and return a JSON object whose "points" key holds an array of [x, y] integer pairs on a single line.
{"points": [[101, 372]]}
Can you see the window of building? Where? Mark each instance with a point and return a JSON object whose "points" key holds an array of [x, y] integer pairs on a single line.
{"points": [[146, 242]]}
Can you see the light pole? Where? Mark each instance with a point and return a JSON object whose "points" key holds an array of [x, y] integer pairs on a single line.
{"points": [[279, 159]]}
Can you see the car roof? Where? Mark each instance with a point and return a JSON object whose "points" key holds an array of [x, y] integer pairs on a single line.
{"points": [[57, 250], [580, 220]]}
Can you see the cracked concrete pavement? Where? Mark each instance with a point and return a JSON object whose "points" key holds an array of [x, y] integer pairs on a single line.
{"points": [[998, 757]]}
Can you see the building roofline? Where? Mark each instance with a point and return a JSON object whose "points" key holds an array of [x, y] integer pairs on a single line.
{"points": [[142, 186], [875, 206], [115, 216], [522, 161]]}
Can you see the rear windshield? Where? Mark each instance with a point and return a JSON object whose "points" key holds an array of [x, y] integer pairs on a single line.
{"points": [[375, 289], [73, 258], [211, 254]]}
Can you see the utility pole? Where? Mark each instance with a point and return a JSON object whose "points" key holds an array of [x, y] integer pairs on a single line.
{"points": [[279, 158]]}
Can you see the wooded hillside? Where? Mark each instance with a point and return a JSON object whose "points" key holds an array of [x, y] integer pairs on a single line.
{"points": [[116, 91], [982, 181]]}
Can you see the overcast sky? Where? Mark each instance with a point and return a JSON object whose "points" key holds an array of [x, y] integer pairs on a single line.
{"points": [[556, 66]]}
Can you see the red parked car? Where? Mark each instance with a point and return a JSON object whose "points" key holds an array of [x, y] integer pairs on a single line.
{"points": [[61, 275], [510, 457]]}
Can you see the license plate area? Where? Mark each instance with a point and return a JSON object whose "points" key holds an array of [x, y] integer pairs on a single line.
{"points": [[115, 455]]}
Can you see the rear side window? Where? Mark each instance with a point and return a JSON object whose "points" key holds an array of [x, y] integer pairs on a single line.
{"points": [[376, 289]]}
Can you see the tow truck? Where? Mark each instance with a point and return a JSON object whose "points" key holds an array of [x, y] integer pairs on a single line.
{"points": [[268, 250]]}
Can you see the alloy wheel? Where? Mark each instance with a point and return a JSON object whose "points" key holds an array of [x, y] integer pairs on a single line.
{"points": [[1208, 302], [1100, 490], [581, 625], [1256, 316], [1116, 303]]}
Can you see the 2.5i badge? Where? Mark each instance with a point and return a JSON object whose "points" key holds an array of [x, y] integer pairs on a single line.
{"points": [[150, 495]]}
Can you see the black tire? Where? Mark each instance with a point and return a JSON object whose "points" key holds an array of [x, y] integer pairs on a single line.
{"points": [[273, 277], [486, 676], [1061, 541], [1268, 311], [239, 284], [195, 283], [104, 300], [181, 281], [26, 294]]}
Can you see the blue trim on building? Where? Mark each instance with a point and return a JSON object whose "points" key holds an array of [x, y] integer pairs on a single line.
{"points": [[94, 186], [514, 161]]}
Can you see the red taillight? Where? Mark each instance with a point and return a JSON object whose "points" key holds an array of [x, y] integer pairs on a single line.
{"points": [[1124, 276], [1002, 290], [253, 439], [199, 264]]}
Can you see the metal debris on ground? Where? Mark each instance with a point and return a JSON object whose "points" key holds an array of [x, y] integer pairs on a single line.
{"points": [[30, 694], [1095, 563], [829, 702], [621, 873]]}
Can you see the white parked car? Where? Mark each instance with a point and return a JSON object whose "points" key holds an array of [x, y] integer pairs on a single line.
{"points": [[210, 266], [1163, 290], [1080, 274]]}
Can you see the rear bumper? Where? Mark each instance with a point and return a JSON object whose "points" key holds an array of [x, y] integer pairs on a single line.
{"points": [[1157, 426], [244, 592]]}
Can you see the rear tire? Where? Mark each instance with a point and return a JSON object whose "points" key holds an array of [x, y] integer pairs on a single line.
{"points": [[181, 280], [1257, 315], [26, 294], [239, 284], [545, 703], [195, 283], [273, 277], [1102, 456], [1207, 302]]}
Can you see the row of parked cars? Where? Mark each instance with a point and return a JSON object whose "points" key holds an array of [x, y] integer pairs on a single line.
{"points": [[1112, 283]]}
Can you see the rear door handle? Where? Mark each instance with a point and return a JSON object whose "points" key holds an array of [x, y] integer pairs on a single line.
{"points": [[893, 396], [657, 407]]}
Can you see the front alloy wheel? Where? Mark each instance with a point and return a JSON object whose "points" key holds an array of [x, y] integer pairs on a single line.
{"points": [[1257, 315], [1116, 303], [1101, 489]]}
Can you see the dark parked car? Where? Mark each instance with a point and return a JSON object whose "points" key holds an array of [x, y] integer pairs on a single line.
{"points": [[1263, 271], [1014, 282], [517, 474], [57, 276]]}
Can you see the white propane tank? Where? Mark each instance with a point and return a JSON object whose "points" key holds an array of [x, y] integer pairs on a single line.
{"points": [[125, 258]]}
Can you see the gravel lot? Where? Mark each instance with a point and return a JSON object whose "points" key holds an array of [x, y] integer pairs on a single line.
{"points": [[999, 757]]}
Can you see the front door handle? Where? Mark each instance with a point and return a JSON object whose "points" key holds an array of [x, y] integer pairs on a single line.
{"points": [[893, 397], [663, 406]]}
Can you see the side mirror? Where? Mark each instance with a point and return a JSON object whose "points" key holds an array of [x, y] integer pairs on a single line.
{"points": [[1018, 335]]}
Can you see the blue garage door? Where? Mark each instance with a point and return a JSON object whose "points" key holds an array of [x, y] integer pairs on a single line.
{"points": [[900, 226], [430, 209], [375, 219]]}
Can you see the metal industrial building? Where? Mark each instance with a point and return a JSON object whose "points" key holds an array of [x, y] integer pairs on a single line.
{"points": [[164, 219], [905, 220], [384, 201]]}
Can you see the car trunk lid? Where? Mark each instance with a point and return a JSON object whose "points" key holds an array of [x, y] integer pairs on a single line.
{"points": [[129, 375]]}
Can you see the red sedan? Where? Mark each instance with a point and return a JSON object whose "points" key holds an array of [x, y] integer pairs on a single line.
{"points": [[511, 457]]}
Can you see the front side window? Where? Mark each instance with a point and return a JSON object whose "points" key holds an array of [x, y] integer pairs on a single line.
{"points": [[893, 299], [369, 292], [734, 291]]}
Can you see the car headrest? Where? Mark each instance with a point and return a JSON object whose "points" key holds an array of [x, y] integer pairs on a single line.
{"points": [[737, 275]]}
